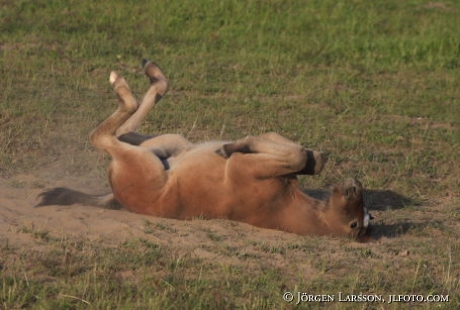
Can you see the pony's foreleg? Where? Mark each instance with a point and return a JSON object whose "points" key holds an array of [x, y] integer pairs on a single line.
{"points": [[292, 157]]}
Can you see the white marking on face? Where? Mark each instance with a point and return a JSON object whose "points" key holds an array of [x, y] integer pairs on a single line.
{"points": [[367, 218]]}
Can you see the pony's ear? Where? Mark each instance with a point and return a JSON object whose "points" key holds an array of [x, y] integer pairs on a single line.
{"points": [[352, 188], [338, 200], [349, 183], [349, 191]]}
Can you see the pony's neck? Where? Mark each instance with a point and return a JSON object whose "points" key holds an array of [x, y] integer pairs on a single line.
{"points": [[304, 216]]}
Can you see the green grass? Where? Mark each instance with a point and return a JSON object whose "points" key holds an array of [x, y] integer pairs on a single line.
{"points": [[373, 83], [143, 274]]}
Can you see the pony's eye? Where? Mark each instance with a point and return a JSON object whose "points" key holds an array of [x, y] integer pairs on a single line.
{"points": [[354, 225]]}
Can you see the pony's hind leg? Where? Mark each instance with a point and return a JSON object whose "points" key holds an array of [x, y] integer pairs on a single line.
{"points": [[103, 137], [136, 175], [158, 88]]}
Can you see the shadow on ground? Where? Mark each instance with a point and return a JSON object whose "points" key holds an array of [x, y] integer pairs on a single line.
{"points": [[381, 229], [386, 200], [375, 199]]}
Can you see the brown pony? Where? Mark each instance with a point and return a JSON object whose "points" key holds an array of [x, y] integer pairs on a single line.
{"points": [[252, 180]]}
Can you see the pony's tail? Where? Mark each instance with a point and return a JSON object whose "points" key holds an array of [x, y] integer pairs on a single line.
{"points": [[64, 197]]}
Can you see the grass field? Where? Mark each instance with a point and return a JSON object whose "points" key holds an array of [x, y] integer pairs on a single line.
{"points": [[376, 84]]}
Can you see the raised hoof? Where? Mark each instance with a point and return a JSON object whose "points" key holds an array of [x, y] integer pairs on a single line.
{"points": [[113, 77], [152, 70], [315, 163], [155, 76], [121, 88]]}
